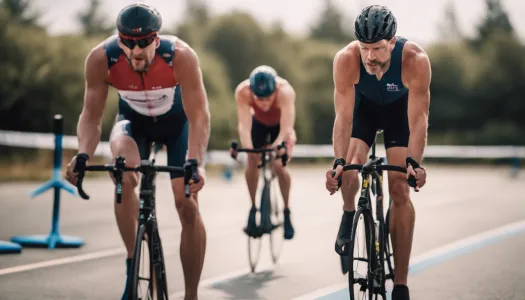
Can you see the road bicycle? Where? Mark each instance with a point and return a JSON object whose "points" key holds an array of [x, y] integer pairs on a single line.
{"points": [[148, 256], [270, 216]]}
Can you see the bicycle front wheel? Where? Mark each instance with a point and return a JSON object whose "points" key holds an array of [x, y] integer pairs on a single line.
{"points": [[277, 220], [361, 259], [144, 284]]}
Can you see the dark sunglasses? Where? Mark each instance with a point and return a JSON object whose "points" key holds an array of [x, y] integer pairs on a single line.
{"points": [[142, 43]]}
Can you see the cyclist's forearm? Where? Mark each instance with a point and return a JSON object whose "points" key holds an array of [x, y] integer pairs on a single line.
{"points": [[246, 137], [341, 136], [418, 138], [199, 135], [88, 133]]}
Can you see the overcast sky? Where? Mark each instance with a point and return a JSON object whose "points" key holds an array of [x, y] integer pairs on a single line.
{"points": [[418, 19]]}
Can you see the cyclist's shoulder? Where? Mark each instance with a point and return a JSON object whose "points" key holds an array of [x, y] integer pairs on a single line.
{"points": [[416, 64], [347, 63], [348, 54], [242, 91], [413, 54], [184, 55], [99, 55], [285, 88]]}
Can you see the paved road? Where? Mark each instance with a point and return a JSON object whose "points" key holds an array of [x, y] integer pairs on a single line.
{"points": [[468, 244]]}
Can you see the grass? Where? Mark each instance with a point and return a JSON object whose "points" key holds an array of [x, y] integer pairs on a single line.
{"points": [[37, 166]]}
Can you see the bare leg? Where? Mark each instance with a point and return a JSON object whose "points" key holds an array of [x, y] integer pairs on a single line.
{"points": [[126, 212], [193, 238], [252, 175], [402, 215]]}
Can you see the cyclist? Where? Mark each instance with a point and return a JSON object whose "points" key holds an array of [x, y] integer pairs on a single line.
{"points": [[381, 82], [266, 110], [161, 99]]}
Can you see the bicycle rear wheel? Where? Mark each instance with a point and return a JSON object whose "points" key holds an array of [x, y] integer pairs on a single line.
{"points": [[361, 258], [144, 284], [277, 220], [255, 243]]}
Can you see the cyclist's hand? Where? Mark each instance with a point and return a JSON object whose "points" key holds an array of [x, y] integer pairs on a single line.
{"points": [[420, 174], [280, 152], [332, 183], [70, 175], [233, 153], [195, 187]]}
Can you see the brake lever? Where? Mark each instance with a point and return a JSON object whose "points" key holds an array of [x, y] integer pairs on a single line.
{"points": [[234, 147], [339, 180], [284, 157], [411, 179], [118, 185], [80, 169], [190, 172]]}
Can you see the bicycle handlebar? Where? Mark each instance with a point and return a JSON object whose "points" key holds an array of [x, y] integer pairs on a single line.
{"points": [[372, 165], [284, 157], [188, 171]]}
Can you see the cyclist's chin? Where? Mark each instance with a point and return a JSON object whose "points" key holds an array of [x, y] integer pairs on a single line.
{"points": [[139, 65], [372, 70]]}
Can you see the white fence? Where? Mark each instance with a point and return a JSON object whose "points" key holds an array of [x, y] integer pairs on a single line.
{"points": [[221, 157]]}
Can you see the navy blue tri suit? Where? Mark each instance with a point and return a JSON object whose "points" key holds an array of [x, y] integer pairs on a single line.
{"points": [[382, 104]]}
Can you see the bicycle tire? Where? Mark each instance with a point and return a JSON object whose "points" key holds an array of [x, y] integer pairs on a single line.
{"points": [[152, 291], [162, 290], [255, 243], [277, 220], [388, 248], [367, 282]]}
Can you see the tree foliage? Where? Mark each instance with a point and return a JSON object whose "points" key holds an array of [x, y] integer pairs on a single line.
{"points": [[476, 91]]}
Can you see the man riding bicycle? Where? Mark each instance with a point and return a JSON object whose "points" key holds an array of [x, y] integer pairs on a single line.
{"points": [[266, 117], [381, 82], [162, 99]]}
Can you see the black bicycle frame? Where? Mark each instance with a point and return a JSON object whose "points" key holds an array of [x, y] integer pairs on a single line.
{"points": [[147, 217]]}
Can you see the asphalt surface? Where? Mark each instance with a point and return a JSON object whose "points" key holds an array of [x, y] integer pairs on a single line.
{"points": [[456, 204]]}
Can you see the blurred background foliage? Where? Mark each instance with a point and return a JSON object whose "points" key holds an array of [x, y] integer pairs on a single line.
{"points": [[477, 91]]}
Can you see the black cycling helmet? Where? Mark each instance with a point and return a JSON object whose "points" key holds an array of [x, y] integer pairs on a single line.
{"points": [[262, 81], [375, 23], [138, 20]]}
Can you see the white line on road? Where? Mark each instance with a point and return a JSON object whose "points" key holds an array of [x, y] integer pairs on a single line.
{"points": [[436, 255], [63, 261], [90, 256]]}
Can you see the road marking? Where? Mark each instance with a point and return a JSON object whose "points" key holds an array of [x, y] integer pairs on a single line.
{"points": [[430, 258], [63, 261], [94, 255]]}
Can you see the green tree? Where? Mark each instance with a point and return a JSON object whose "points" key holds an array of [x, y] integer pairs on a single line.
{"points": [[330, 26], [21, 11], [93, 21], [241, 44], [495, 22], [449, 29]]}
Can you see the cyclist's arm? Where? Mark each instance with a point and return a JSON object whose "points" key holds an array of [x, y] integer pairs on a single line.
{"points": [[89, 126], [194, 100], [344, 76], [244, 116], [287, 106], [419, 76]]}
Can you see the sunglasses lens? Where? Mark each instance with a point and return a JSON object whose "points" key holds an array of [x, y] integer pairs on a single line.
{"points": [[143, 43], [128, 43]]}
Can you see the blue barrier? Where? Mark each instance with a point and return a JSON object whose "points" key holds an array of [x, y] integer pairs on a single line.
{"points": [[54, 239], [7, 247]]}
